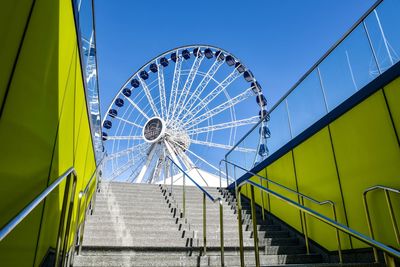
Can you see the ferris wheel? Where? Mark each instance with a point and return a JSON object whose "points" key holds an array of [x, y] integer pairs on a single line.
{"points": [[189, 105]]}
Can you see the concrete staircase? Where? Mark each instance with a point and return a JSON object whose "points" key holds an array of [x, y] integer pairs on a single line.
{"points": [[141, 225]]}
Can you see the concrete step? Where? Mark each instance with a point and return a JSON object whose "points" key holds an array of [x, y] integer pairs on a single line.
{"points": [[184, 251], [133, 212], [130, 197], [230, 241], [130, 215], [130, 204], [179, 260], [135, 242], [134, 226], [137, 234]]}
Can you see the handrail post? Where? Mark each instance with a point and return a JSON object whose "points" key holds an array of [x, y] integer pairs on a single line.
{"points": [[77, 225], [392, 216], [221, 226], [69, 221], [165, 172], [227, 175], [220, 175], [83, 227], [337, 235], [172, 178], [239, 211], [67, 201], [371, 231], [184, 197], [262, 203], [255, 230], [204, 225], [305, 230]]}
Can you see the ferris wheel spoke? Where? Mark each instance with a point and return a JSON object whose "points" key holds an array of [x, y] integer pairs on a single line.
{"points": [[161, 87], [172, 153], [158, 169], [151, 173], [175, 84], [225, 125], [145, 167], [230, 103], [134, 173], [126, 137], [222, 146], [129, 122], [189, 82], [123, 168], [137, 149], [148, 95], [137, 107], [197, 156], [203, 84], [214, 93]]}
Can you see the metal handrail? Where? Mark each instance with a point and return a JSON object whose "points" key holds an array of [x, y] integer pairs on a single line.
{"points": [[391, 213], [280, 185], [206, 194], [329, 221], [302, 196], [80, 227], [196, 184], [61, 247]]}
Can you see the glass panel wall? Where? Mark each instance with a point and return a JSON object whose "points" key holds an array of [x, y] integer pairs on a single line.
{"points": [[85, 21], [367, 51], [279, 126], [348, 68], [306, 104]]}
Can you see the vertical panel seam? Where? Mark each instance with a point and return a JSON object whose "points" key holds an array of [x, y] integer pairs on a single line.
{"points": [[297, 187], [14, 67], [52, 158], [339, 181], [391, 116]]}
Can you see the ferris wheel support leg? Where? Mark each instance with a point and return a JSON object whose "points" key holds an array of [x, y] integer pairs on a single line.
{"points": [[172, 153], [146, 165]]}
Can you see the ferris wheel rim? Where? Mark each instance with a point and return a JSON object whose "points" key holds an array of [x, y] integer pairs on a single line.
{"points": [[148, 108], [143, 67]]}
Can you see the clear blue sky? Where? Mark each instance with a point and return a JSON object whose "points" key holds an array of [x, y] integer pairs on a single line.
{"points": [[278, 39]]}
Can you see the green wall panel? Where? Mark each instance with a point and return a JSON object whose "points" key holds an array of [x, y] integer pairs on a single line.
{"points": [[367, 154], [11, 37], [317, 178], [62, 160], [363, 152], [392, 92], [44, 126], [282, 171], [28, 131]]}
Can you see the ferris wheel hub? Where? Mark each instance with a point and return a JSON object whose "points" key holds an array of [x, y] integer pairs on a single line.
{"points": [[153, 130], [178, 137]]}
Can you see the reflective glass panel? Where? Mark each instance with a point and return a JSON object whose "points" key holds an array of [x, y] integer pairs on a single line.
{"points": [[383, 26], [279, 128], [348, 68], [306, 104]]}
